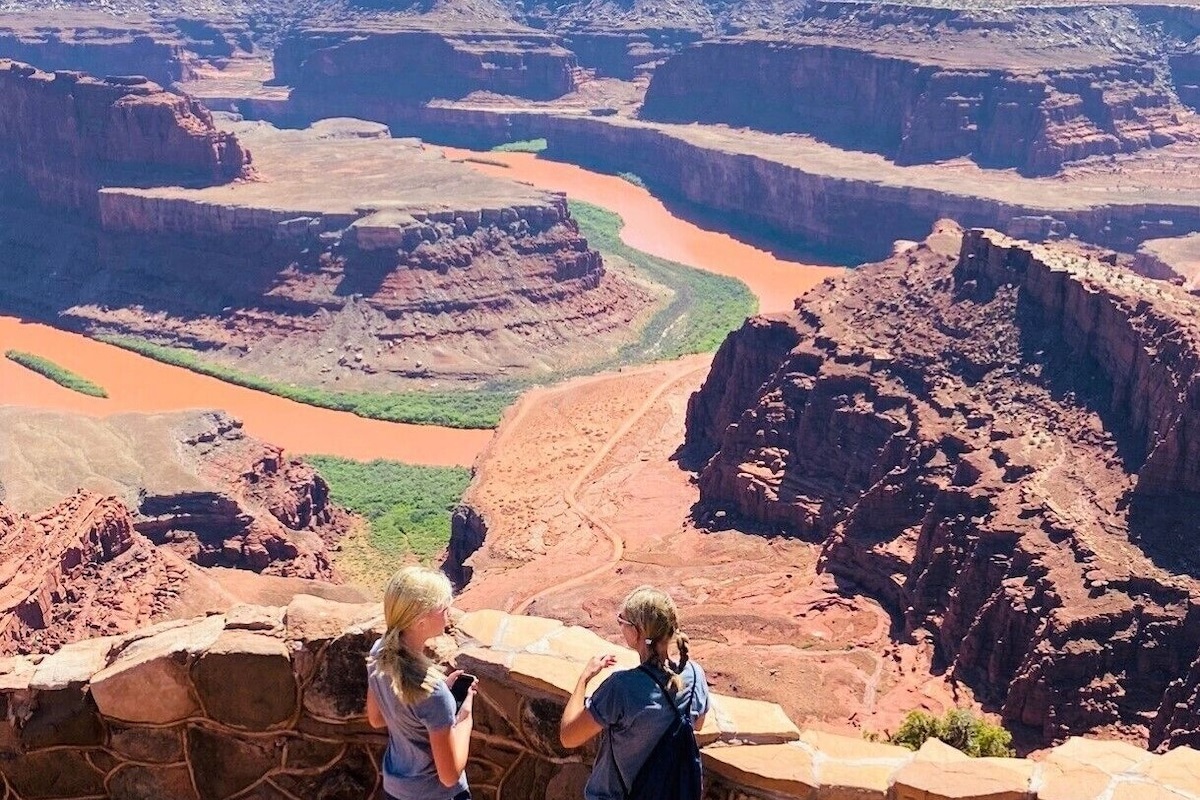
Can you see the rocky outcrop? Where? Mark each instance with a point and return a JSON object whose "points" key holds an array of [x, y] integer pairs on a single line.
{"points": [[403, 267], [153, 714], [191, 491], [326, 65], [916, 112], [265, 512], [983, 436], [67, 135], [97, 44], [623, 52], [852, 207]]}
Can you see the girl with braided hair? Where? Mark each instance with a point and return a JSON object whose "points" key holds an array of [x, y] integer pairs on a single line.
{"points": [[428, 735], [632, 709]]}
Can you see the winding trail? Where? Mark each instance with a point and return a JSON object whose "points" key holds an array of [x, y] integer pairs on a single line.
{"points": [[570, 497]]}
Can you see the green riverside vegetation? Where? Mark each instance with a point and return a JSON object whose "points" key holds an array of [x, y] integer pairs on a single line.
{"points": [[408, 507], [703, 308], [633, 178], [60, 375], [958, 728], [464, 409], [526, 146]]}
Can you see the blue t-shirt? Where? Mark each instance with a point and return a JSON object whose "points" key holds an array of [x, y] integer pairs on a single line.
{"points": [[635, 715], [408, 769]]}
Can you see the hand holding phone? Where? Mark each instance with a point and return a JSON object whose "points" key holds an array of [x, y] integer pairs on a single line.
{"points": [[461, 687]]}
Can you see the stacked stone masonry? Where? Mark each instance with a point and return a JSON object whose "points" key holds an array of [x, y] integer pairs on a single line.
{"points": [[268, 702]]}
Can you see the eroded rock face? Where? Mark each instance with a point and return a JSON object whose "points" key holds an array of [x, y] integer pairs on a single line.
{"points": [[68, 567], [68, 134], [415, 64], [167, 495], [1034, 118], [396, 266], [994, 438]]}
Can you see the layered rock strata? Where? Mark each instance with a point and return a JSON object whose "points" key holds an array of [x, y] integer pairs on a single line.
{"points": [[396, 265], [68, 134], [164, 496], [1034, 118], [626, 53], [295, 724], [809, 194], [101, 44], [994, 439], [324, 65]]}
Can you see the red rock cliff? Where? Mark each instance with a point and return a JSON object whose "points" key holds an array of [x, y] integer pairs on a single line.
{"points": [[985, 436], [915, 111], [65, 135], [418, 64]]}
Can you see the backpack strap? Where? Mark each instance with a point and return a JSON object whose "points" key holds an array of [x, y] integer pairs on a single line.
{"points": [[667, 694]]}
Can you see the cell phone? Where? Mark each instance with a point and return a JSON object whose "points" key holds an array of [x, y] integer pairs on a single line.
{"points": [[462, 685]]}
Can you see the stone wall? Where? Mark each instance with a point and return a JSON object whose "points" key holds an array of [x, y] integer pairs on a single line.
{"points": [[268, 702]]}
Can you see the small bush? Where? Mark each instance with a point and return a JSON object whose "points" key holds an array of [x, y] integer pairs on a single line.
{"points": [[958, 728], [526, 146], [633, 178], [60, 375]]}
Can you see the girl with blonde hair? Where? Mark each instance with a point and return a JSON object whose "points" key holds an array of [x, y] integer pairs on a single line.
{"points": [[428, 736], [633, 709]]}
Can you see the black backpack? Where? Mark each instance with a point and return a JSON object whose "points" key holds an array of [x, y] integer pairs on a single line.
{"points": [[672, 770]]}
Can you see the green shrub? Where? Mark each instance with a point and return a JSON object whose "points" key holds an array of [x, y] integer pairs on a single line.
{"points": [[60, 375], [633, 178], [958, 728], [408, 507], [461, 409], [526, 146]]}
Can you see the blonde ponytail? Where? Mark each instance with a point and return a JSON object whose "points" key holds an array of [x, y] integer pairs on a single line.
{"points": [[656, 618], [411, 593]]}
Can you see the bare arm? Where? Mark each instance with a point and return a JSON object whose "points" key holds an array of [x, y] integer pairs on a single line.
{"points": [[451, 745], [374, 714], [578, 726]]}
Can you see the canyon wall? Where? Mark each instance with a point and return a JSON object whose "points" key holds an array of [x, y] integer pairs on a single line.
{"points": [[912, 112], [625, 53], [405, 266], [66, 135], [99, 45], [153, 714], [982, 436], [418, 64], [756, 186]]}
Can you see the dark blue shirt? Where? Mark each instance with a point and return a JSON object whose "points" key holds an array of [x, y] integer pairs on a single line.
{"points": [[635, 715]]}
